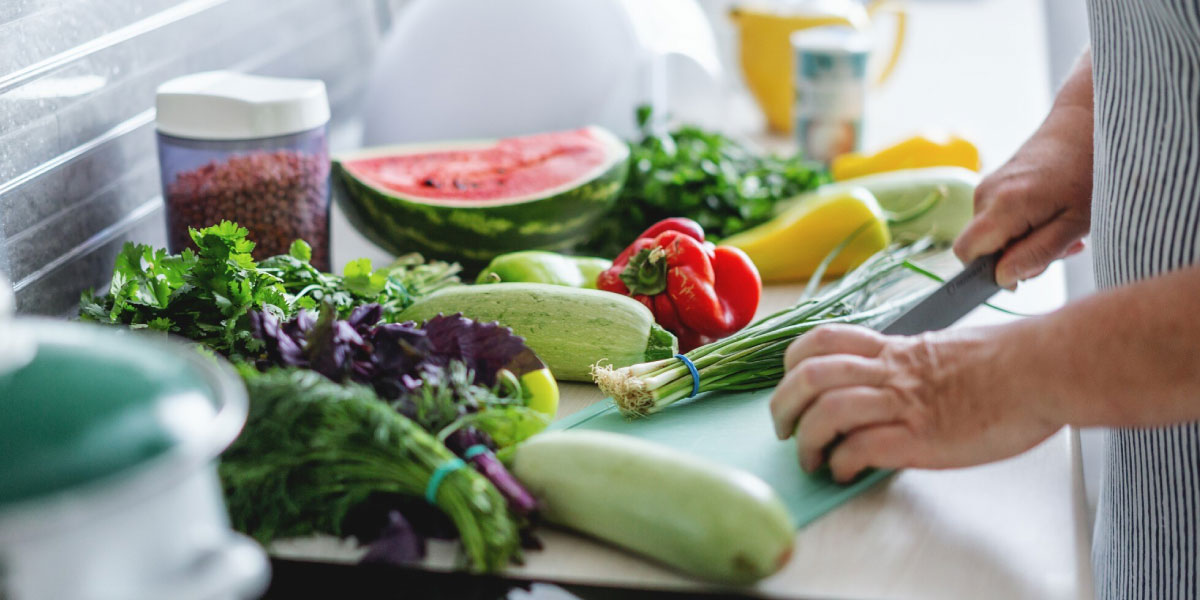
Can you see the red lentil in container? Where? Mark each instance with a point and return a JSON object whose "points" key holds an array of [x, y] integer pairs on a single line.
{"points": [[247, 149], [279, 196]]}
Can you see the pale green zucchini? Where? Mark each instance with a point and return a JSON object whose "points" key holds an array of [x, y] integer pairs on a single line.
{"points": [[570, 329], [707, 519]]}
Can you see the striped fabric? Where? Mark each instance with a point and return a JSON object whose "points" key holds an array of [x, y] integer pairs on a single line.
{"points": [[1146, 220]]}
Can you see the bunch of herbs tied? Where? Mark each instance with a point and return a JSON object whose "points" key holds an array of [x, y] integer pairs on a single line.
{"points": [[351, 413], [721, 183]]}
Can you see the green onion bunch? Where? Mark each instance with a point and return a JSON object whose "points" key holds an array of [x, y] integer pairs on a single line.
{"points": [[873, 295]]}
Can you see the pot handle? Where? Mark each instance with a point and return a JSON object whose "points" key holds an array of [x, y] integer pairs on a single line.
{"points": [[895, 7], [238, 569]]}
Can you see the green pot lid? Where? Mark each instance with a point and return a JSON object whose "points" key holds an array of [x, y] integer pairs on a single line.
{"points": [[95, 402]]}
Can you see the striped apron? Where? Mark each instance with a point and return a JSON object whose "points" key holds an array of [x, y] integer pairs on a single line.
{"points": [[1145, 221]]}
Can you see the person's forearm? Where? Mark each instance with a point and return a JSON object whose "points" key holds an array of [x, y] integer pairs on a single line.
{"points": [[1124, 357], [1076, 91], [1070, 120], [1037, 206]]}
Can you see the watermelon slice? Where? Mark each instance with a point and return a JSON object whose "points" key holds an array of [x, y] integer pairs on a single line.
{"points": [[471, 201]]}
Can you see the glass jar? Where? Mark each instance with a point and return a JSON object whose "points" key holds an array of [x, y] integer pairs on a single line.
{"points": [[831, 90], [252, 150]]}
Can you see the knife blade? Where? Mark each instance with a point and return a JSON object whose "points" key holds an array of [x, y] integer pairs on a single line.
{"points": [[951, 302]]}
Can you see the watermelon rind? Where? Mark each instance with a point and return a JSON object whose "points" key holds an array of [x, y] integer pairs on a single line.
{"points": [[473, 232]]}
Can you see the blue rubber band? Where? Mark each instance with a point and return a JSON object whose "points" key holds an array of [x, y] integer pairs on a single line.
{"points": [[695, 374], [440, 473], [474, 451]]}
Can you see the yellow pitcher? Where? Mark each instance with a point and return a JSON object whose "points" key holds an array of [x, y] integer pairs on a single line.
{"points": [[766, 52]]}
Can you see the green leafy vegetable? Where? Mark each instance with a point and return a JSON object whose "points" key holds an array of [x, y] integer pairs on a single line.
{"points": [[206, 295], [722, 184], [506, 424], [203, 296], [300, 250], [449, 400], [393, 287], [313, 449], [360, 279]]}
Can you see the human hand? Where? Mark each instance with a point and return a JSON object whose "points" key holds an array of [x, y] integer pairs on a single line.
{"points": [[935, 400], [1038, 205]]}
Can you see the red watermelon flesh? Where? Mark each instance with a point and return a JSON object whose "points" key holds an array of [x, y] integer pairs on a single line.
{"points": [[506, 169]]}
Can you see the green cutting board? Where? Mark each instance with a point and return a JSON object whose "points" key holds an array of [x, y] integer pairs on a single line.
{"points": [[734, 429]]}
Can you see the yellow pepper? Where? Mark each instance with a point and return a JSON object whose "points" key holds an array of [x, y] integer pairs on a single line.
{"points": [[792, 245], [542, 391], [913, 153]]}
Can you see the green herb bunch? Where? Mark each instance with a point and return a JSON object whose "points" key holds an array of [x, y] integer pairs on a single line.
{"points": [[720, 183], [206, 295], [393, 287], [201, 296], [313, 449]]}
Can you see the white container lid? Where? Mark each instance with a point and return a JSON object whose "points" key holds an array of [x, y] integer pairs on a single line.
{"points": [[832, 39], [224, 105]]}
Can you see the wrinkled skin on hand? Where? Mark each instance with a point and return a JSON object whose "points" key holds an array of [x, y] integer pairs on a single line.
{"points": [[1037, 206], [856, 398]]}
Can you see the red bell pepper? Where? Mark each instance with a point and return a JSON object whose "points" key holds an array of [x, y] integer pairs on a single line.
{"points": [[695, 290]]}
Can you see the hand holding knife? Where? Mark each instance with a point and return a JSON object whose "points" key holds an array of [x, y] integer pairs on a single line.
{"points": [[844, 385]]}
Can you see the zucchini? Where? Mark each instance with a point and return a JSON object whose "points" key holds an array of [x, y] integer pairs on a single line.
{"points": [[903, 193], [704, 518], [570, 329]]}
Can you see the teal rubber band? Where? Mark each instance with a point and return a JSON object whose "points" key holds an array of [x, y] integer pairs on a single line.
{"points": [[440, 473], [695, 374], [474, 451]]}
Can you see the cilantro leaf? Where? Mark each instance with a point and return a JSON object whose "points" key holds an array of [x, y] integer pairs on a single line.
{"points": [[360, 279], [300, 250]]}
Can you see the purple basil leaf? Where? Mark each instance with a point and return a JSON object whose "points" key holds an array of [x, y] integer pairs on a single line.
{"points": [[282, 347], [398, 350], [299, 327], [484, 347], [364, 317], [332, 345], [397, 545]]}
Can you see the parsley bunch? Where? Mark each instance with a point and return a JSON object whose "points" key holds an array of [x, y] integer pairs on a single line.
{"points": [[206, 295]]}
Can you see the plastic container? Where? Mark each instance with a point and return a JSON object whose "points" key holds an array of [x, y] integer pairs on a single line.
{"points": [[247, 149], [831, 90]]}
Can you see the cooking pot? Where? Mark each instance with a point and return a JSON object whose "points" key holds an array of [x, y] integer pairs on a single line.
{"points": [[108, 487]]}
